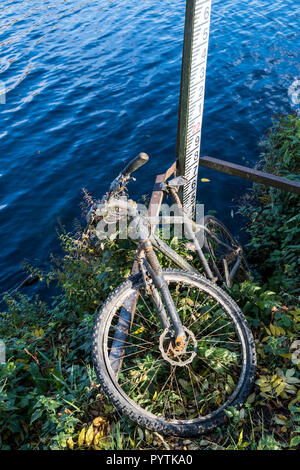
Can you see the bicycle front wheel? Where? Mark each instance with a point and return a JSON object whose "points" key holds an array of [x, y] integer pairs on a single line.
{"points": [[180, 394]]}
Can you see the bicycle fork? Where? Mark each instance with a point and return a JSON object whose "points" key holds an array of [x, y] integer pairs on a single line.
{"points": [[165, 305], [166, 309]]}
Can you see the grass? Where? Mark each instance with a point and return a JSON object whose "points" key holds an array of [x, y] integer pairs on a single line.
{"points": [[49, 396]]}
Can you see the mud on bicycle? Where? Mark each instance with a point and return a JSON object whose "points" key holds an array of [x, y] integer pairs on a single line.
{"points": [[171, 348]]}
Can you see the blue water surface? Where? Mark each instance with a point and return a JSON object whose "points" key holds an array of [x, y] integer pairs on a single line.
{"points": [[91, 83]]}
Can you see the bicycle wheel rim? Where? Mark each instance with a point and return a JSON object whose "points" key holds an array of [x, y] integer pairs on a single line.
{"points": [[181, 418], [211, 245]]}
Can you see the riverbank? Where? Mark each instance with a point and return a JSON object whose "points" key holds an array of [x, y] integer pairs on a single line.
{"points": [[49, 397]]}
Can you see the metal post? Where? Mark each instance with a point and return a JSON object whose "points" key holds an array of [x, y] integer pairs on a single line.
{"points": [[195, 48]]}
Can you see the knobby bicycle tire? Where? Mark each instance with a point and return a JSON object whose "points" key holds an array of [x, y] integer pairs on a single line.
{"points": [[125, 404]]}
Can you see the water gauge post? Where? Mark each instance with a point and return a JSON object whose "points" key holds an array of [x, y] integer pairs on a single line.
{"points": [[195, 48]]}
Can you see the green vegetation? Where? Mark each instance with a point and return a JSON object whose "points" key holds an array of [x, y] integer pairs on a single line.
{"points": [[274, 216], [49, 397]]}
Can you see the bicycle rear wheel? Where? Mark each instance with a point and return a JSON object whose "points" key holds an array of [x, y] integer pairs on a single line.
{"points": [[227, 249], [180, 394]]}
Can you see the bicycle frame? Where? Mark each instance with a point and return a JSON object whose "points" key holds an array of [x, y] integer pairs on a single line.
{"points": [[152, 273], [148, 265]]}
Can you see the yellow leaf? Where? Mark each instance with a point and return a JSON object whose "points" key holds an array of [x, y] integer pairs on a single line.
{"points": [[131, 442], [154, 396], [280, 389], [205, 180], [139, 330], [241, 437], [81, 437], [39, 333], [70, 443], [293, 402], [97, 421], [277, 382], [279, 331], [89, 435], [262, 379], [97, 438], [274, 378], [273, 330], [284, 418]]}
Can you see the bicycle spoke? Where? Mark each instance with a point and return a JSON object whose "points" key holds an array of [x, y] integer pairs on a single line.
{"points": [[203, 315], [134, 336], [194, 391], [190, 389], [130, 345], [221, 327], [142, 297], [183, 404]]}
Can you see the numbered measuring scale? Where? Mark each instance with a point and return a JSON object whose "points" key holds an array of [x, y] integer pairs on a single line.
{"points": [[193, 76]]}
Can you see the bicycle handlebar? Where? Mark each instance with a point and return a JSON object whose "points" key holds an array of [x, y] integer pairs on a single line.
{"points": [[135, 163], [124, 176], [121, 179]]}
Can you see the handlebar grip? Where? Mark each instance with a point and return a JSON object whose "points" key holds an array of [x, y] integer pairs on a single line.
{"points": [[136, 163]]}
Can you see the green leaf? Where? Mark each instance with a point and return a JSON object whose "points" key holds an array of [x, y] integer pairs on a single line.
{"points": [[36, 415], [295, 441]]}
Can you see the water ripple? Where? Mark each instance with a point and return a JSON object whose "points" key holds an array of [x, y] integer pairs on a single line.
{"points": [[89, 85]]}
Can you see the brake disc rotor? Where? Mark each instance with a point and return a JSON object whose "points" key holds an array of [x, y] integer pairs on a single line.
{"points": [[182, 358]]}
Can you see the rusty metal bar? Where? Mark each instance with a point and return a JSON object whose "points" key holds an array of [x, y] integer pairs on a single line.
{"points": [[251, 174]]}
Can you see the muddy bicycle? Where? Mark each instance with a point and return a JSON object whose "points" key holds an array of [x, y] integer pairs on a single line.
{"points": [[171, 348]]}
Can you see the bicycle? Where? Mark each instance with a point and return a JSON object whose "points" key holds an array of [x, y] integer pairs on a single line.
{"points": [[171, 349]]}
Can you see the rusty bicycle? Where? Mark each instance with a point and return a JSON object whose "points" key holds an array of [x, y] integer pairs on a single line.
{"points": [[171, 348]]}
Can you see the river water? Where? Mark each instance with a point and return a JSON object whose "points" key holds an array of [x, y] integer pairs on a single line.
{"points": [[90, 84]]}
